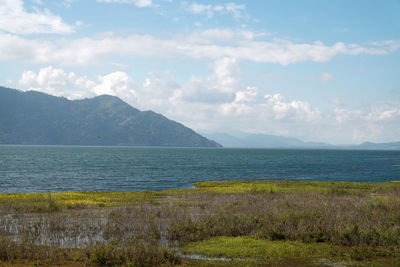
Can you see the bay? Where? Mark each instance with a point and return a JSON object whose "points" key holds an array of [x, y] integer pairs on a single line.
{"points": [[77, 168]]}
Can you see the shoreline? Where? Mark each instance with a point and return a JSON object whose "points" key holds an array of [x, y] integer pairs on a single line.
{"points": [[195, 184], [205, 184]]}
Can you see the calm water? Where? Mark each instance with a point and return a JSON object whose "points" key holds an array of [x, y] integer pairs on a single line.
{"points": [[57, 168]]}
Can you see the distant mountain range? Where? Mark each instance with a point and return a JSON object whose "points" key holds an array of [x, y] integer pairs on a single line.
{"points": [[273, 141], [263, 141], [37, 118], [379, 146]]}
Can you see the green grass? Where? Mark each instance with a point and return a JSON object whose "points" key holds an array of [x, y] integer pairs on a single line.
{"points": [[232, 187], [79, 199], [50, 202], [248, 247], [293, 253]]}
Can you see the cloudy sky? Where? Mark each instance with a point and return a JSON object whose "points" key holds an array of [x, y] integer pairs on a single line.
{"points": [[317, 70]]}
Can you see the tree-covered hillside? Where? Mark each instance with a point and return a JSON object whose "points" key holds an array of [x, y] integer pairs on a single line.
{"points": [[37, 118]]}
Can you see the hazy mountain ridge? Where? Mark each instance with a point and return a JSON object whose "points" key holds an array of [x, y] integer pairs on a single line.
{"points": [[273, 141], [37, 118], [379, 146], [263, 141]]}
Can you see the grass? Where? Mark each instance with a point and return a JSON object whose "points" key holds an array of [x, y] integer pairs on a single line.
{"points": [[252, 248], [257, 251], [41, 202], [232, 187], [270, 223]]}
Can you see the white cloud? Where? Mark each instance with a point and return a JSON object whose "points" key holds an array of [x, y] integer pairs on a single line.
{"points": [[377, 123], [251, 111], [384, 113], [292, 109], [118, 84], [138, 3], [202, 9], [210, 10], [248, 110], [247, 95], [219, 102], [15, 19], [159, 93], [160, 87], [243, 104], [235, 9], [392, 45], [56, 81], [242, 45], [220, 87], [326, 77]]}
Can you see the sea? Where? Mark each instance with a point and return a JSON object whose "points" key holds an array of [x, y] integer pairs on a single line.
{"points": [[80, 168]]}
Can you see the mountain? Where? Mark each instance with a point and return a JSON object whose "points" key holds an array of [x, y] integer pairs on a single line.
{"points": [[37, 118], [263, 141], [241, 140], [379, 146]]}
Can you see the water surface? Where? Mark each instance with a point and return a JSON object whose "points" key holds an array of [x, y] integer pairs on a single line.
{"points": [[70, 168]]}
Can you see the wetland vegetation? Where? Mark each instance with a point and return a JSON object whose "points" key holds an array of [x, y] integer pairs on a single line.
{"points": [[240, 223]]}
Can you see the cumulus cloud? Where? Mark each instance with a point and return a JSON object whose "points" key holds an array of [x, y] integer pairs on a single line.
{"points": [[219, 87], [293, 109], [377, 123], [138, 3], [242, 45], [118, 84], [56, 81], [251, 110], [247, 108], [243, 104], [210, 10], [247, 95], [15, 19]]}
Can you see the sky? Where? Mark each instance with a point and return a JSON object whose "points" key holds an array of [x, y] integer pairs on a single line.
{"points": [[326, 71]]}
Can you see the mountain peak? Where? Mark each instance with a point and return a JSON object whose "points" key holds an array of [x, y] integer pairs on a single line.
{"points": [[37, 118], [106, 97]]}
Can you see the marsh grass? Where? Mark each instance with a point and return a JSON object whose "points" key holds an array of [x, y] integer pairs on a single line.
{"points": [[138, 254], [251, 248], [50, 202], [229, 187], [258, 251], [11, 251], [338, 221]]}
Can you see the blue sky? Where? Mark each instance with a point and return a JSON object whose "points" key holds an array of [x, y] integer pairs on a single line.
{"points": [[317, 70]]}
